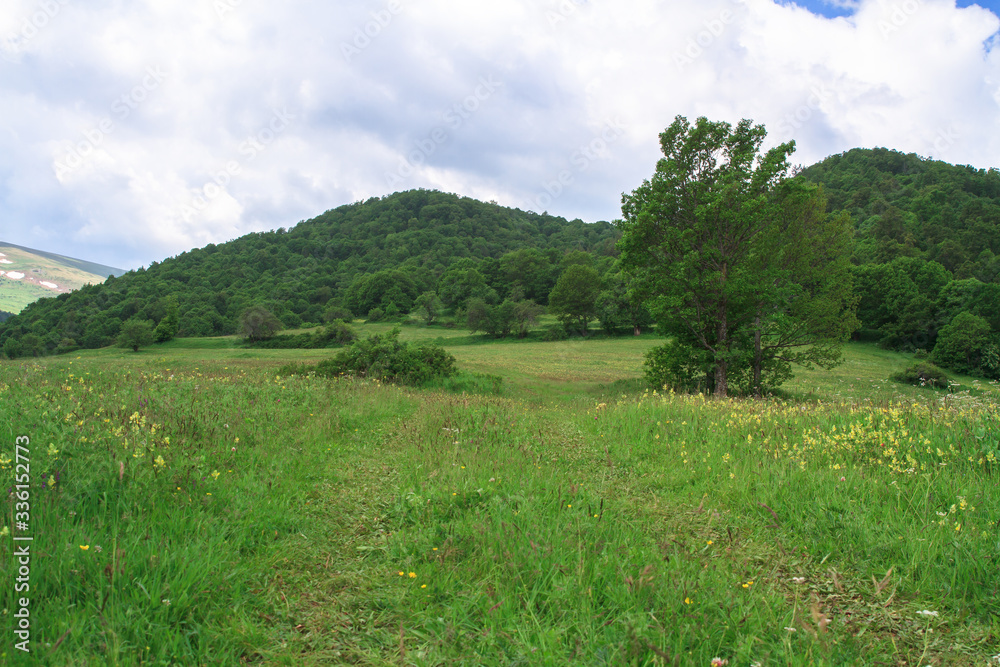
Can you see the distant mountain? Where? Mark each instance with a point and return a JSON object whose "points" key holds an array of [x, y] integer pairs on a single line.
{"points": [[27, 275], [406, 241]]}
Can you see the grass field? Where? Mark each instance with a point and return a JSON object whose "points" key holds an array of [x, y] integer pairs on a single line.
{"points": [[188, 506]]}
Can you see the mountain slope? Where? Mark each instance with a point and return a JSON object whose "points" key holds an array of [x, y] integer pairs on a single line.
{"points": [[27, 275], [298, 272], [908, 206], [928, 243]]}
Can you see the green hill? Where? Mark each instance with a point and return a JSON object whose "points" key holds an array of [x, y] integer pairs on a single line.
{"points": [[412, 238], [27, 275], [927, 250], [928, 242]]}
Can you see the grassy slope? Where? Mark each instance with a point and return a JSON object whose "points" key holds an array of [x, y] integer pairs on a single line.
{"points": [[565, 523], [16, 294]]}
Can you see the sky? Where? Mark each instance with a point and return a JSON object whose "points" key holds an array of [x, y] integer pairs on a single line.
{"points": [[134, 131]]}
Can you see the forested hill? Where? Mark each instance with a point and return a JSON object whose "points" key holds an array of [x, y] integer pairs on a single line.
{"points": [[908, 206], [927, 245], [299, 272]]}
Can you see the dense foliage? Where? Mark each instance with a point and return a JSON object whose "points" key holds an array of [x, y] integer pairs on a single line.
{"points": [[382, 253], [927, 250], [744, 270], [385, 358]]}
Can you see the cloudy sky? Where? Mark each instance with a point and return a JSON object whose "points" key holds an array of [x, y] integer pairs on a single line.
{"points": [[133, 131]]}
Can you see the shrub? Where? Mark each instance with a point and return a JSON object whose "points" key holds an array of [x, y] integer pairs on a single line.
{"points": [[338, 332], [337, 313], [67, 345], [376, 315], [923, 374], [961, 344], [555, 332], [384, 357], [679, 367]]}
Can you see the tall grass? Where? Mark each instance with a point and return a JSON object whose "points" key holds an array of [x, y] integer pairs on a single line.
{"points": [[249, 518]]}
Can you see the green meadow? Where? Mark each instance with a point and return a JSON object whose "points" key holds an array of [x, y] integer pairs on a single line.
{"points": [[189, 505]]}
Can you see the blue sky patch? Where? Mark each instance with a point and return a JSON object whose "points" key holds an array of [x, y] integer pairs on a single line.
{"points": [[834, 8]]}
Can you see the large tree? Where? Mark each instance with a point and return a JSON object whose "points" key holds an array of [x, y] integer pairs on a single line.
{"points": [[703, 243], [804, 306]]}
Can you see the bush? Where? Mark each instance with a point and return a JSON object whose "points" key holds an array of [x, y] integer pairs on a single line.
{"points": [[965, 345], [555, 332], [678, 367], [337, 313], [376, 315], [923, 374], [337, 332], [67, 345], [385, 358]]}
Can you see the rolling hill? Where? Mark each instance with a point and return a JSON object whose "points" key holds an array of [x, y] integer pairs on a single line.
{"points": [[411, 237]]}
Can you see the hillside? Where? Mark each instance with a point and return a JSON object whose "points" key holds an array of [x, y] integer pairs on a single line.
{"points": [[927, 250], [27, 275], [299, 272], [928, 241]]}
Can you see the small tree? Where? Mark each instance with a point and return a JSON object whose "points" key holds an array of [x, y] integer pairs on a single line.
{"points": [[12, 348], [135, 334], [167, 328], [429, 306], [526, 314], [258, 323], [573, 300]]}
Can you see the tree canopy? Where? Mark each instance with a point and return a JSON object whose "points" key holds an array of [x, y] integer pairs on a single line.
{"points": [[722, 256]]}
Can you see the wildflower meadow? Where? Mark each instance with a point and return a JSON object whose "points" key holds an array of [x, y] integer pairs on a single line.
{"points": [[194, 506]]}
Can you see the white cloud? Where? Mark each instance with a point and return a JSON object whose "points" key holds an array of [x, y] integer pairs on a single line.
{"points": [[389, 95]]}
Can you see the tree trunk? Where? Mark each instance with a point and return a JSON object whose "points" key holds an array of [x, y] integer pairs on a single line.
{"points": [[638, 331], [722, 344], [758, 358], [721, 386]]}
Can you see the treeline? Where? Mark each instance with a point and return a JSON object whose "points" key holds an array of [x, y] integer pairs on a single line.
{"points": [[926, 254], [925, 266], [380, 255]]}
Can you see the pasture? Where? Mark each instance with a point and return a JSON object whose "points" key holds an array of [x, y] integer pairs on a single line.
{"points": [[188, 506]]}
